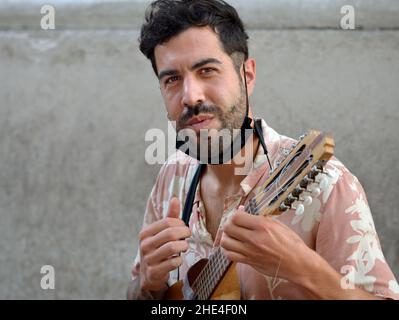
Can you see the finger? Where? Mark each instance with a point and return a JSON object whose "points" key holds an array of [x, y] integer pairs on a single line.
{"points": [[156, 227], [166, 251], [159, 271], [172, 219], [246, 220], [237, 232], [171, 234], [174, 208], [167, 235], [234, 256], [233, 245]]}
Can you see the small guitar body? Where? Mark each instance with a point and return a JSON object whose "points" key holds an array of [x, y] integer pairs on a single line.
{"points": [[227, 289]]}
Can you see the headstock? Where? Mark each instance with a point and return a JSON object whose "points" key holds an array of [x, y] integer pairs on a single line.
{"points": [[295, 176]]}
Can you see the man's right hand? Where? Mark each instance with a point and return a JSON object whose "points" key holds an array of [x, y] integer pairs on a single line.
{"points": [[160, 245]]}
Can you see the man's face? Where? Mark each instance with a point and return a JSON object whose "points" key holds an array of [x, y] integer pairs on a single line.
{"points": [[199, 83]]}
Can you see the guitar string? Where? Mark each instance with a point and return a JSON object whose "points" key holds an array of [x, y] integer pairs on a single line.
{"points": [[275, 184]]}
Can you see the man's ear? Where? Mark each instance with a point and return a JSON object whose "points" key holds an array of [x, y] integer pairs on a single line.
{"points": [[250, 73]]}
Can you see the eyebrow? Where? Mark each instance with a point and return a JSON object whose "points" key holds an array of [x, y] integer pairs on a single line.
{"points": [[199, 64]]}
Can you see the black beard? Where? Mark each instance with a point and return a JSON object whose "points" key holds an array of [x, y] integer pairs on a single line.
{"points": [[230, 119]]}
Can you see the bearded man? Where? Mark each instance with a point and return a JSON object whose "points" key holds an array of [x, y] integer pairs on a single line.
{"points": [[199, 53]]}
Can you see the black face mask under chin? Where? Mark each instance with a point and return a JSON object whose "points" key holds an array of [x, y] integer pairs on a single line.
{"points": [[228, 153], [225, 155]]}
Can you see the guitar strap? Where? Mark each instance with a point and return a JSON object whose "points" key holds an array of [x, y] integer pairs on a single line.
{"points": [[188, 206]]}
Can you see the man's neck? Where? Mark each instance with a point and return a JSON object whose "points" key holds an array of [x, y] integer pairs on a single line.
{"points": [[227, 177]]}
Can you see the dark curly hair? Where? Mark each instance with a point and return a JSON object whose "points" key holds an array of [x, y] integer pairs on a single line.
{"points": [[165, 19]]}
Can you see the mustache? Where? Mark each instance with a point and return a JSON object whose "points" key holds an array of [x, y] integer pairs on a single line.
{"points": [[197, 110]]}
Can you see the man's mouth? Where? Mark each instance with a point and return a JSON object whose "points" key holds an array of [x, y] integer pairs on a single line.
{"points": [[199, 122]]}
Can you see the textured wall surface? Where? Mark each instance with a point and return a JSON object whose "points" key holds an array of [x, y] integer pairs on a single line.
{"points": [[75, 104]]}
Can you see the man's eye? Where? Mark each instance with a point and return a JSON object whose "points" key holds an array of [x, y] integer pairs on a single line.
{"points": [[171, 80], [206, 70]]}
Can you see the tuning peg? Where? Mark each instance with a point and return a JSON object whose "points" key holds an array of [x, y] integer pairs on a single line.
{"points": [[286, 152], [289, 201], [284, 207], [323, 182], [312, 176], [305, 181], [314, 172], [317, 169], [307, 200], [302, 137], [299, 209], [297, 191], [314, 190], [291, 198], [320, 165]]}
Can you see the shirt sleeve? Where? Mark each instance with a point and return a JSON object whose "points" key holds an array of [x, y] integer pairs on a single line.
{"points": [[151, 215], [348, 240], [157, 204]]}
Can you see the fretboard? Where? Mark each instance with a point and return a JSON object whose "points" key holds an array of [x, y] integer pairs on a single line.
{"points": [[216, 267]]}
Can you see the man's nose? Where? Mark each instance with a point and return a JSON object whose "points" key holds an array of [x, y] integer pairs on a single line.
{"points": [[193, 92]]}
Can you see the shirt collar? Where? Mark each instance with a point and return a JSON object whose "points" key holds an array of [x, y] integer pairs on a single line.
{"points": [[260, 166]]}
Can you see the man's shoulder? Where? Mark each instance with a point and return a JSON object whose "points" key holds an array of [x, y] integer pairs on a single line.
{"points": [[173, 179], [179, 158], [334, 167], [339, 180], [178, 166], [178, 162]]}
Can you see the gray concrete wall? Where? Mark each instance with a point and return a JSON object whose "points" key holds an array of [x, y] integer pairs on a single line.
{"points": [[75, 104]]}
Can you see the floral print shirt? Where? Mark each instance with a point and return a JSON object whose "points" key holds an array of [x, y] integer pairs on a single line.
{"points": [[337, 224]]}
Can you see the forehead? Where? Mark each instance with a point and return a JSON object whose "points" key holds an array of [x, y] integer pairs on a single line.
{"points": [[188, 47]]}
